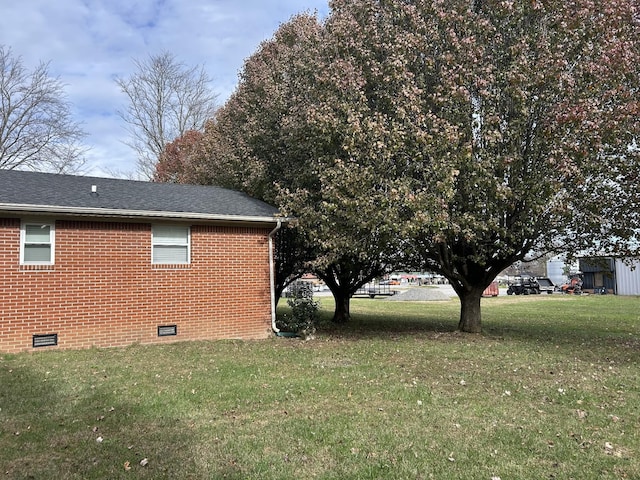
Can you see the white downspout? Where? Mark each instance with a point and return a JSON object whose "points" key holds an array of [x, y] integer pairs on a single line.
{"points": [[272, 277]]}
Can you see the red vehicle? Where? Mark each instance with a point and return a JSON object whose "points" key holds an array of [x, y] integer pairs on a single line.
{"points": [[573, 287], [492, 290]]}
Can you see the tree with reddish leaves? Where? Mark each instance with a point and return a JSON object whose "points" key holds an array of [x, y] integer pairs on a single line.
{"points": [[258, 143], [497, 127], [265, 141], [458, 136], [180, 160]]}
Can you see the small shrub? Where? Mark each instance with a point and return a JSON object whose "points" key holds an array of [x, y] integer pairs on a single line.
{"points": [[304, 311]]}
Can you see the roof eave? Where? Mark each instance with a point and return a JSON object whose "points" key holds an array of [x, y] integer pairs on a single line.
{"points": [[135, 214]]}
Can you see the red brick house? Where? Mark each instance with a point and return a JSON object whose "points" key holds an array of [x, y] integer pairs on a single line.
{"points": [[88, 261]]}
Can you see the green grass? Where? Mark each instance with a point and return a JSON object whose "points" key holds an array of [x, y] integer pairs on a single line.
{"points": [[551, 390]]}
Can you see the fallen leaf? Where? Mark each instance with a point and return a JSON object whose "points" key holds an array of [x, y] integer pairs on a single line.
{"points": [[127, 466], [144, 462]]}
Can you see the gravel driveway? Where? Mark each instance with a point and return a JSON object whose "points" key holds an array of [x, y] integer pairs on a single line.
{"points": [[423, 294]]}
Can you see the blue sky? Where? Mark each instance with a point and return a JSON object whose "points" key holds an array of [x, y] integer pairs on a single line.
{"points": [[90, 42]]}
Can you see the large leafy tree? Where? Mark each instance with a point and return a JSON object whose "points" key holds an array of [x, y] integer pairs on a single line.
{"points": [[270, 140], [37, 130], [540, 96], [257, 140], [516, 120], [363, 153]]}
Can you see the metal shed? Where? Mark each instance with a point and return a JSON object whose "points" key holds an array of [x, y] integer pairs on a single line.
{"points": [[616, 275], [627, 276]]}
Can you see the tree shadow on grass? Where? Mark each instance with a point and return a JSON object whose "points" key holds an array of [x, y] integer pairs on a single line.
{"points": [[566, 334], [591, 327], [53, 425], [365, 326], [23, 392]]}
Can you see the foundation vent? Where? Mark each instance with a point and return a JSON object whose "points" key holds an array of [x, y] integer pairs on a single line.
{"points": [[167, 330], [47, 340]]}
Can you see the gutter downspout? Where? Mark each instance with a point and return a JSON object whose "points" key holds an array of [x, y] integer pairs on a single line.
{"points": [[272, 277]]}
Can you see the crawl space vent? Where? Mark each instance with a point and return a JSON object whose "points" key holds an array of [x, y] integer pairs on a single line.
{"points": [[48, 340], [167, 330]]}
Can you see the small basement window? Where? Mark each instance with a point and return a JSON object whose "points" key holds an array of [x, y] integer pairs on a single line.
{"points": [[48, 340], [167, 330], [170, 244]]}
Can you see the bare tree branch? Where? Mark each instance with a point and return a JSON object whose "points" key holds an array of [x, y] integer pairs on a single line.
{"points": [[37, 131], [166, 99]]}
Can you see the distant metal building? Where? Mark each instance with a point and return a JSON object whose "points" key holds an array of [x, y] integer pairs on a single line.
{"points": [[620, 276], [627, 277], [556, 270]]}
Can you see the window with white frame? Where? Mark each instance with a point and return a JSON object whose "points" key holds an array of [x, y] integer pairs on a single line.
{"points": [[170, 244], [37, 243]]}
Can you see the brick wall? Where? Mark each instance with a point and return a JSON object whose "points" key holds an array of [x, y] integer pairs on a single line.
{"points": [[103, 290]]}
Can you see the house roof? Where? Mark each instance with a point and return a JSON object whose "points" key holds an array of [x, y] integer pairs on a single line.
{"points": [[47, 193]]}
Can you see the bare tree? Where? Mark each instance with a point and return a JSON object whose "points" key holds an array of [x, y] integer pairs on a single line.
{"points": [[166, 99], [37, 131]]}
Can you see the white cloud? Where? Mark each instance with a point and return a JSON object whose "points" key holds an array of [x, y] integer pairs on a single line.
{"points": [[90, 42]]}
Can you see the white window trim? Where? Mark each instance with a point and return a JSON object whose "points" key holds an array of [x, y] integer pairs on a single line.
{"points": [[154, 244], [52, 240]]}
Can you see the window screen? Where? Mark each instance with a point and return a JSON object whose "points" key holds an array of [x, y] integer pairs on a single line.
{"points": [[170, 244]]}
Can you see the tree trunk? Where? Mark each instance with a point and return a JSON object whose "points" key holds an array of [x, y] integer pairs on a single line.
{"points": [[341, 314], [470, 318]]}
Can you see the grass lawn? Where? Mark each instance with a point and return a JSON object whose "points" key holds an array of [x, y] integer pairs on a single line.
{"points": [[551, 390]]}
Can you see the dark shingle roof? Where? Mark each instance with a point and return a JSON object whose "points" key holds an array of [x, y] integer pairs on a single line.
{"points": [[72, 194]]}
